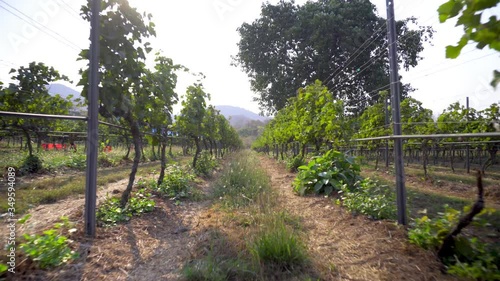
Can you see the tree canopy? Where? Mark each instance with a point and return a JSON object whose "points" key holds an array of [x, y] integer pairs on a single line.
{"points": [[291, 46], [29, 93], [122, 71]]}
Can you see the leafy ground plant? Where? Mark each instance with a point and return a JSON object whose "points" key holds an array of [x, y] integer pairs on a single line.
{"points": [[205, 164], [472, 258], [370, 198], [293, 163], [31, 164], [3, 269], [326, 173], [110, 213], [176, 184], [51, 248]]}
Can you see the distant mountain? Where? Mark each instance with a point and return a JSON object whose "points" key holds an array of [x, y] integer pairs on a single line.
{"points": [[238, 121], [228, 110], [63, 91], [239, 117]]}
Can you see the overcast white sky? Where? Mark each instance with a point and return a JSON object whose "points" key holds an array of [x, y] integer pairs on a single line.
{"points": [[201, 34]]}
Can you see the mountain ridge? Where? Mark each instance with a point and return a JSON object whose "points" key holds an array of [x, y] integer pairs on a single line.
{"points": [[238, 117], [63, 90], [230, 110]]}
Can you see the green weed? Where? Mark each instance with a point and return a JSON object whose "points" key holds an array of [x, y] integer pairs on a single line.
{"points": [[278, 246], [241, 182], [205, 164], [219, 263], [49, 249], [369, 197], [472, 258], [31, 164], [176, 184], [293, 163], [110, 212]]}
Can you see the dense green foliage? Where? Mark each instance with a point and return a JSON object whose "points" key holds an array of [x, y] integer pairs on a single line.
{"points": [[31, 164], [140, 98], [293, 163], [190, 121], [110, 212], [472, 258], [314, 118], [370, 198], [308, 120], [205, 126], [29, 93], [177, 183], [290, 46], [326, 173], [205, 165]]}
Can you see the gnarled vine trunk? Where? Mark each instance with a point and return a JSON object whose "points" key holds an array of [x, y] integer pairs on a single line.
{"points": [[198, 150], [28, 141], [492, 151], [448, 247], [163, 158], [136, 137]]}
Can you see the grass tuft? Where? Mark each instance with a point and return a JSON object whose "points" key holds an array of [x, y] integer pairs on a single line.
{"points": [[278, 247], [220, 262], [272, 248], [241, 182]]}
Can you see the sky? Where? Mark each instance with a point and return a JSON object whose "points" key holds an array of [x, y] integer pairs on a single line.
{"points": [[201, 35]]}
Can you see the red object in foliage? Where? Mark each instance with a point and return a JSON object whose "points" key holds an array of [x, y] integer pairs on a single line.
{"points": [[50, 146], [107, 148]]}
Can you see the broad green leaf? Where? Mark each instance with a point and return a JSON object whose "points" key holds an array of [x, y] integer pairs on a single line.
{"points": [[463, 247], [303, 167], [453, 52], [449, 10], [24, 219], [3, 268], [328, 189], [318, 186]]}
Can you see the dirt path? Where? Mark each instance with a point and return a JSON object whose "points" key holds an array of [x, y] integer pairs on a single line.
{"points": [[153, 246], [345, 247]]}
